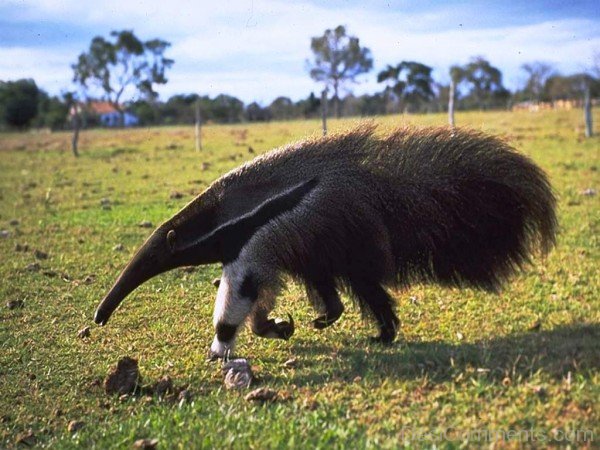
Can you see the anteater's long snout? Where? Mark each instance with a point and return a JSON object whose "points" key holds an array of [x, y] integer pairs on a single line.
{"points": [[126, 283], [151, 259]]}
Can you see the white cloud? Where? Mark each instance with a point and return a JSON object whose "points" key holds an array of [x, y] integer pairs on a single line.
{"points": [[256, 49], [50, 69]]}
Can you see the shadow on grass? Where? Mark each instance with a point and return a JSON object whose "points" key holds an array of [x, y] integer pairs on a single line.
{"points": [[555, 352]]}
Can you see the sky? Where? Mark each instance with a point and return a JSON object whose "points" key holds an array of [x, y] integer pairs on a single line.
{"points": [[257, 50]]}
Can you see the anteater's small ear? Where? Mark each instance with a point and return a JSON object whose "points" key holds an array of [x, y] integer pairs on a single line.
{"points": [[171, 238]]}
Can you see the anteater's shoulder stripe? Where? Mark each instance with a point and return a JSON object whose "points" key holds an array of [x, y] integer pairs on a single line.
{"points": [[231, 236]]}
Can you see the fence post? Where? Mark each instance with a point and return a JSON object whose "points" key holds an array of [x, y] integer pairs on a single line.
{"points": [[451, 103], [198, 127], [587, 112], [76, 123], [324, 110]]}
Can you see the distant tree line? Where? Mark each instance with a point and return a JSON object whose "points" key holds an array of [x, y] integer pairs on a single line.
{"points": [[23, 104], [123, 67], [408, 88]]}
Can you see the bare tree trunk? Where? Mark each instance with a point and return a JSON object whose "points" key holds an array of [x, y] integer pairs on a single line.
{"points": [[198, 127], [324, 111], [587, 112], [336, 100], [76, 123], [451, 104]]}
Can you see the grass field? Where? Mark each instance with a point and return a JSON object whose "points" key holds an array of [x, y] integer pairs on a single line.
{"points": [[524, 361]]}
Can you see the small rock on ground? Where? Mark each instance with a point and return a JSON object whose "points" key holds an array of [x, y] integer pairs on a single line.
{"points": [[292, 362], [40, 254], [145, 224], [124, 378], [75, 425], [164, 386], [28, 439], [238, 374], [184, 396], [535, 326], [83, 333], [14, 304], [145, 443], [589, 192], [263, 394], [33, 267]]}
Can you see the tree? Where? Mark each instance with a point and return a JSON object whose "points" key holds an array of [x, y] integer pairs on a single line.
{"points": [[338, 59], [146, 112], [537, 75], [256, 113], [52, 112], [409, 83], [310, 106], [180, 108], [282, 108], [485, 83], [18, 102], [122, 67], [227, 109], [571, 87]]}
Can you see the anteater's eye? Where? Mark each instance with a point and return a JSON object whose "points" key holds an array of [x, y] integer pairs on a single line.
{"points": [[171, 237]]}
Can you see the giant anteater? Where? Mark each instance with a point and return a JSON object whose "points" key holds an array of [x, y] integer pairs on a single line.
{"points": [[358, 211]]}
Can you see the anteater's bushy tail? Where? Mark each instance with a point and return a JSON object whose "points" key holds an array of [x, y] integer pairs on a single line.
{"points": [[468, 210], [441, 205]]}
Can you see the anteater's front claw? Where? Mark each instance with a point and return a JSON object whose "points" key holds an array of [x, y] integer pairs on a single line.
{"points": [[324, 321], [285, 329], [213, 356]]}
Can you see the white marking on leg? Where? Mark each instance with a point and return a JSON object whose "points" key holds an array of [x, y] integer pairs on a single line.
{"points": [[221, 348], [230, 307]]}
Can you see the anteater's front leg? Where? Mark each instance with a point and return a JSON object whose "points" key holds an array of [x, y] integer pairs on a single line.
{"points": [[236, 296]]}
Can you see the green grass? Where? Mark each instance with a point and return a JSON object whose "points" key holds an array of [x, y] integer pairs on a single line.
{"points": [[466, 360]]}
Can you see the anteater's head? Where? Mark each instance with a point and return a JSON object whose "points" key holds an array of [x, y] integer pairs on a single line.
{"points": [[212, 228], [180, 241]]}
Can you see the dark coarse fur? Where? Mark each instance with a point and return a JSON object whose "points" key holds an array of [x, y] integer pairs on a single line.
{"points": [[362, 211], [440, 205], [435, 205]]}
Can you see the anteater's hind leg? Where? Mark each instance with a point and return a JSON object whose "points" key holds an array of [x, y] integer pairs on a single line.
{"points": [[324, 297], [269, 328], [370, 294]]}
